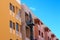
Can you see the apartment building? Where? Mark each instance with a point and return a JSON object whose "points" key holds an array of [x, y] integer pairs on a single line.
{"points": [[37, 30], [48, 35], [18, 22], [28, 22], [41, 32], [10, 20]]}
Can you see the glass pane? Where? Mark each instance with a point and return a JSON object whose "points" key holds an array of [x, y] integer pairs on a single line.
{"points": [[17, 27], [10, 24]]}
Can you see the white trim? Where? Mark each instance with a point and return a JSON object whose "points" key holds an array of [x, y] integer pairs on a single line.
{"points": [[11, 30], [19, 1]]}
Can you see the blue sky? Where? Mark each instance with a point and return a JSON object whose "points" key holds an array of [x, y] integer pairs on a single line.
{"points": [[48, 11]]}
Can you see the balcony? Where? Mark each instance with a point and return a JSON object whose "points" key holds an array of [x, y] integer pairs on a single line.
{"points": [[37, 21], [18, 15]]}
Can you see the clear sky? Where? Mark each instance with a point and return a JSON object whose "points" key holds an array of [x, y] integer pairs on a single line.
{"points": [[48, 11]]}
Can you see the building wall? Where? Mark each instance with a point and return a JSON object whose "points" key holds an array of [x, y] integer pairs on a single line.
{"points": [[6, 33], [26, 10], [42, 34], [36, 32], [23, 23], [49, 34]]}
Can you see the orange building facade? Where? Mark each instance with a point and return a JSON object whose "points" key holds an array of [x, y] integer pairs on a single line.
{"points": [[10, 21]]}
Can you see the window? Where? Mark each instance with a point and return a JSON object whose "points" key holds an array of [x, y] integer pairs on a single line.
{"points": [[12, 8], [16, 39], [11, 25], [49, 38], [57, 39], [10, 39], [17, 29], [42, 34], [27, 19], [39, 32]]}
